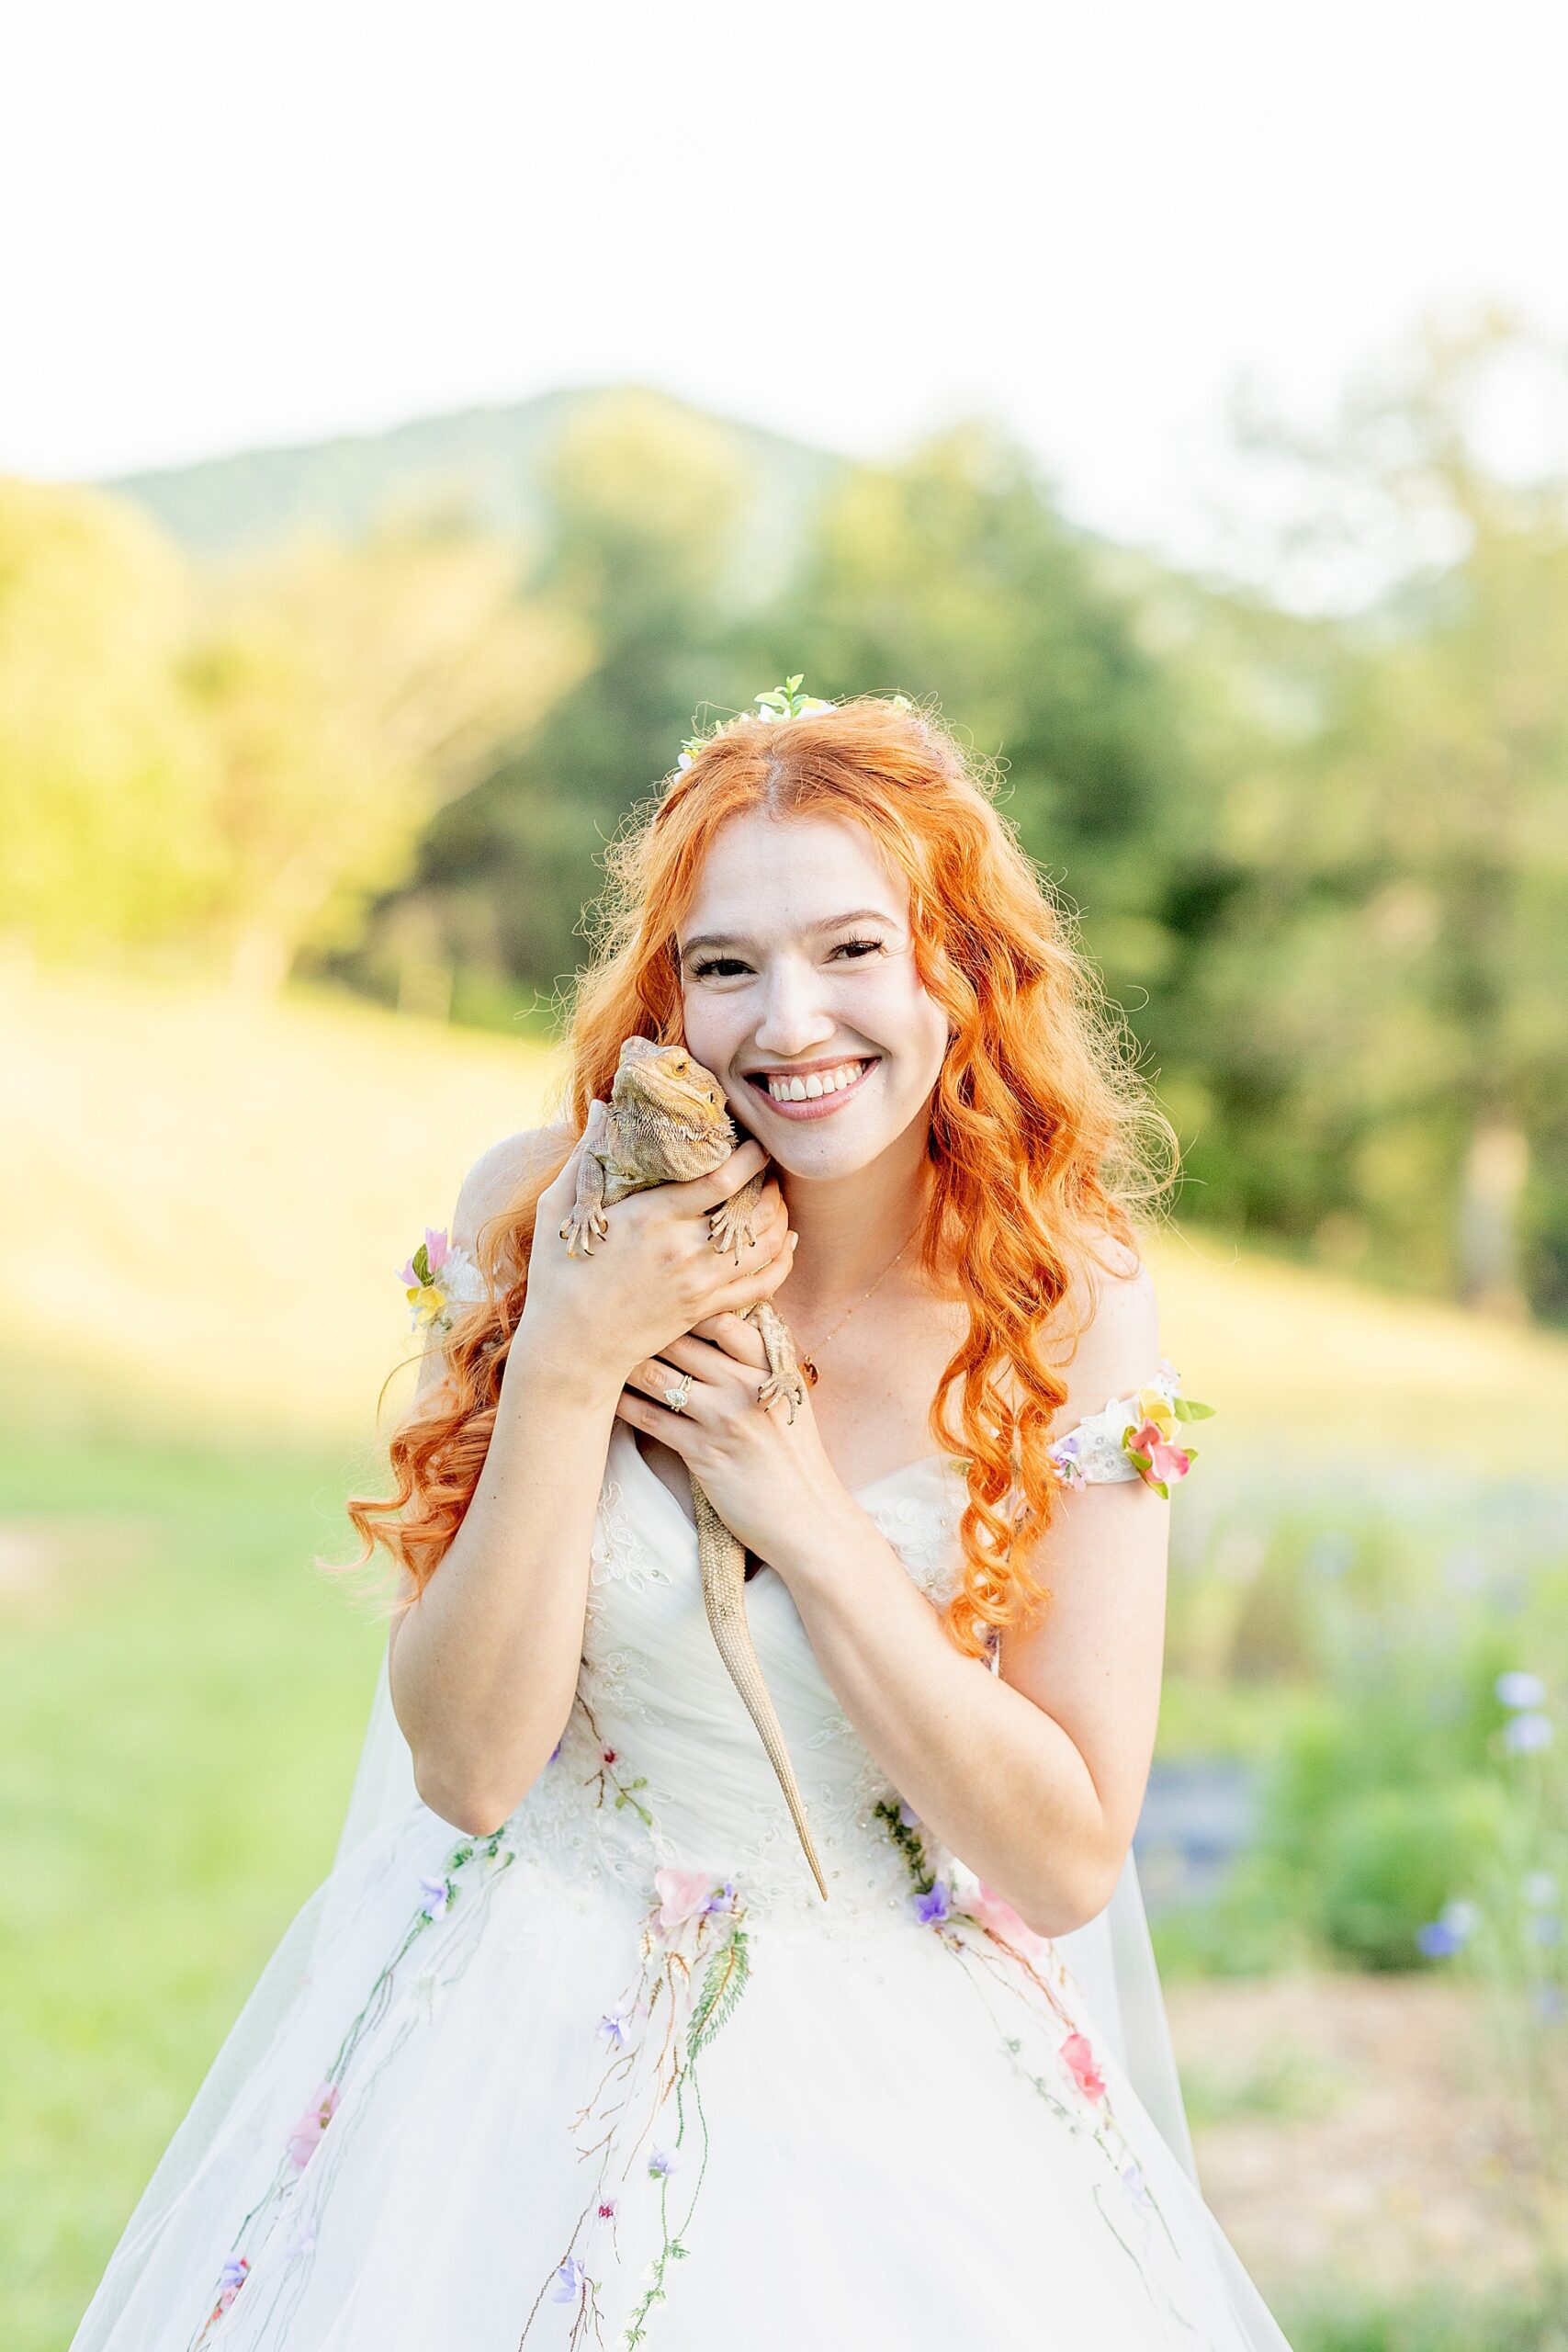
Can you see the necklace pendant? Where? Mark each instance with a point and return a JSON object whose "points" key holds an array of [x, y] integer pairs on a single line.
{"points": [[808, 1368]]}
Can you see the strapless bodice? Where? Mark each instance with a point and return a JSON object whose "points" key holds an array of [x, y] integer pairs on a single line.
{"points": [[661, 1765]]}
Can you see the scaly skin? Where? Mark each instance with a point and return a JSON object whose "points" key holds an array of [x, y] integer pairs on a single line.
{"points": [[666, 1123]]}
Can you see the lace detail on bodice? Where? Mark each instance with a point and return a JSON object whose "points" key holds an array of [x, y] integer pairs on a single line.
{"points": [[619, 1553]]}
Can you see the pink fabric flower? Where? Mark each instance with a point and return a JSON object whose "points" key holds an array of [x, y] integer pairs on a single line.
{"points": [[1079, 2057], [1166, 1461], [306, 2136], [682, 1895], [437, 1249], [988, 1907]]}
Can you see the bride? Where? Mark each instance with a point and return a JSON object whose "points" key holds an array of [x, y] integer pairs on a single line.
{"points": [[568, 2049]]}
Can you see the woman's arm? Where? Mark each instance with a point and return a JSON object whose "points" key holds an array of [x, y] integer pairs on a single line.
{"points": [[1034, 1775], [483, 1666]]}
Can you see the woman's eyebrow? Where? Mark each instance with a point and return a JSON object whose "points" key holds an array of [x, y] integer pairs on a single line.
{"points": [[830, 923]]}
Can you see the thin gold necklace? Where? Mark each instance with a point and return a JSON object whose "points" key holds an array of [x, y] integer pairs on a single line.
{"points": [[806, 1363]]}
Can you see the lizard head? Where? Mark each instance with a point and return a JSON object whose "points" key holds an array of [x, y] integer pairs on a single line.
{"points": [[663, 1085]]}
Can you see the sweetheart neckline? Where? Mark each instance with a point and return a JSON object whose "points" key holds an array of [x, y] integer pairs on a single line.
{"points": [[905, 1470]]}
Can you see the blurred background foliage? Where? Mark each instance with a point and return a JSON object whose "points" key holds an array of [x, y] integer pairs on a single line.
{"points": [[1322, 861]]}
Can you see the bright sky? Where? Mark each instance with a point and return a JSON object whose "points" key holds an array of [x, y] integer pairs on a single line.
{"points": [[848, 219]]}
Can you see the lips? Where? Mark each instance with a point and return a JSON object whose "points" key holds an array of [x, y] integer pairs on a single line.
{"points": [[814, 1106]]}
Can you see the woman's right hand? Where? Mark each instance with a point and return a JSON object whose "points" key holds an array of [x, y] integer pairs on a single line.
{"points": [[653, 1276]]}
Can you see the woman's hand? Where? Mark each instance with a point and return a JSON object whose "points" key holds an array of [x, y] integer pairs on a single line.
{"points": [[654, 1275], [768, 1478]]}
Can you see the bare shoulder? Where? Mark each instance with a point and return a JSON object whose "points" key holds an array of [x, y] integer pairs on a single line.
{"points": [[499, 1174], [1112, 1306]]}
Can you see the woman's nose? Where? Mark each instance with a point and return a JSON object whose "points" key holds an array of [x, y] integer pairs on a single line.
{"points": [[794, 1015]]}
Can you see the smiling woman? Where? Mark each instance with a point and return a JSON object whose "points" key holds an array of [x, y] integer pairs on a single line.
{"points": [[571, 2023]]}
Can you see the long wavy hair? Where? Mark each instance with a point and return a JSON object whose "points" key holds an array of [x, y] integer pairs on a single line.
{"points": [[1043, 1138]]}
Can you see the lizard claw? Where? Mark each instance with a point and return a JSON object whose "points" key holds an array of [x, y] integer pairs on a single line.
{"points": [[729, 1226], [787, 1385], [587, 1225]]}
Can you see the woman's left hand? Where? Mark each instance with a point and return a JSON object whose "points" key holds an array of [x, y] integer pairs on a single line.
{"points": [[767, 1477]]}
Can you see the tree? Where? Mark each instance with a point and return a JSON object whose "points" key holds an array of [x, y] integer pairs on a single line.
{"points": [[1415, 862], [106, 772], [349, 692], [643, 504]]}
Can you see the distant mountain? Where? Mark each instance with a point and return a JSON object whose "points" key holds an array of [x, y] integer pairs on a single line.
{"points": [[483, 460]]}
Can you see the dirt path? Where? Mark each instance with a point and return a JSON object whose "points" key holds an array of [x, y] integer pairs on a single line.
{"points": [[1347, 2129]]}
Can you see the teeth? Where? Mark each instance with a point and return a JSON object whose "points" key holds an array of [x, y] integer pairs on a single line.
{"points": [[806, 1089]]}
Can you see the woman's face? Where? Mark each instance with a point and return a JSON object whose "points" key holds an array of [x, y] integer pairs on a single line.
{"points": [[796, 959]]}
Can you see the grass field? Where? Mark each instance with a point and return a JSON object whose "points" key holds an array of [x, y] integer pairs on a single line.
{"points": [[205, 1206]]}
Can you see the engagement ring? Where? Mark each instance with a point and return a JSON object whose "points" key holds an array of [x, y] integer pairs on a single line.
{"points": [[676, 1398]]}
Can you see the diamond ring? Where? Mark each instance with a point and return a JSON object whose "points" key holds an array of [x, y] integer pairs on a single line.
{"points": [[676, 1398]]}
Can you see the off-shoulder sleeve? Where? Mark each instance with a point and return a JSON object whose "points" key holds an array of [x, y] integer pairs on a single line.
{"points": [[1133, 1437], [439, 1276]]}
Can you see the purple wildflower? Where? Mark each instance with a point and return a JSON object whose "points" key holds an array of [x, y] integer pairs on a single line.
{"points": [[930, 1908], [1519, 1689], [1524, 1733], [569, 2280]]}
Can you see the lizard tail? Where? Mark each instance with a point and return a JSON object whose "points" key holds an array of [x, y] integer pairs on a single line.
{"points": [[723, 1563]]}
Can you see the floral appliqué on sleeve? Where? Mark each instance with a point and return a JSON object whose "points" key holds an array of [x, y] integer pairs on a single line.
{"points": [[440, 1275], [1133, 1437]]}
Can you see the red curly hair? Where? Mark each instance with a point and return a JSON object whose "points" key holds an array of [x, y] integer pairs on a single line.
{"points": [[1038, 1127]]}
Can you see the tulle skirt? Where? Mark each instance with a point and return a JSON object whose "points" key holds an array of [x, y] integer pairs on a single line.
{"points": [[476, 2105]]}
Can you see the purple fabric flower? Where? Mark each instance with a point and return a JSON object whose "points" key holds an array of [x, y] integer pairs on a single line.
{"points": [[1525, 1734], [613, 2026], [301, 2243], [723, 1899], [662, 2163], [438, 1894], [555, 1752], [569, 2281], [930, 1908], [1137, 2185], [233, 2273], [910, 1819]]}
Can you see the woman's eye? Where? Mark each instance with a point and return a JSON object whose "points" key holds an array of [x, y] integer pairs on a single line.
{"points": [[844, 944], [721, 966]]}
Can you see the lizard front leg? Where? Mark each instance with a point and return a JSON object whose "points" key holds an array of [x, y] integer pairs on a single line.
{"points": [[785, 1376], [587, 1221], [730, 1223]]}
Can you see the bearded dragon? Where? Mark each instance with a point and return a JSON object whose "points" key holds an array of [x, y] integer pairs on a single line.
{"points": [[666, 1123]]}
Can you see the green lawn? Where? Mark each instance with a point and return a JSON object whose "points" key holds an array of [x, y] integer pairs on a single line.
{"points": [[186, 1695]]}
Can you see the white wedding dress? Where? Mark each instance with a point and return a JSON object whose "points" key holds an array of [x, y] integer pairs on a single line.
{"points": [[616, 2073]]}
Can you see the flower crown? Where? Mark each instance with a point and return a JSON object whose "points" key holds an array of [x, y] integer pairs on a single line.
{"points": [[779, 702]]}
